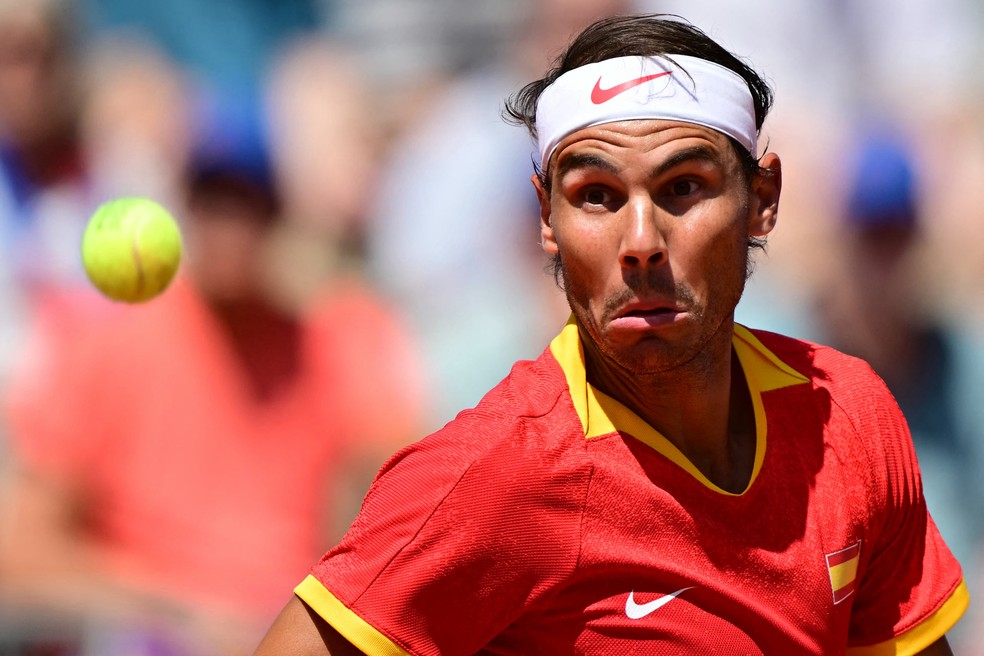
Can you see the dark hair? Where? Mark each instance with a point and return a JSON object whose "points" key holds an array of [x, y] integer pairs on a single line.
{"points": [[642, 35]]}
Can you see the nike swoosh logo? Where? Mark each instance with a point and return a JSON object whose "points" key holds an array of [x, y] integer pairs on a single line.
{"points": [[599, 95], [636, 611]]}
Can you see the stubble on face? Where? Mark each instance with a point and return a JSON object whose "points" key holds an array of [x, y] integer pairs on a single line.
{"points": [[654, 354]]}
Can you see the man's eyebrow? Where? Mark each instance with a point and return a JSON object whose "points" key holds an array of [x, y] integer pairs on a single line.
{"points": [[574, 161], [694, 153]]}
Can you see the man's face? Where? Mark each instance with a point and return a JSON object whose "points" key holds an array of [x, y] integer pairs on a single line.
{"points": [[651, 220]]}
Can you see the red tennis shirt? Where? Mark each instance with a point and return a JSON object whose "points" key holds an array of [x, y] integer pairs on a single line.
{"points": [[551, 519]]}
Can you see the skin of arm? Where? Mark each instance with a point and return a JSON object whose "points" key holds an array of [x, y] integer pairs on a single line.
{"points": [[299, 631], [939, 648]]}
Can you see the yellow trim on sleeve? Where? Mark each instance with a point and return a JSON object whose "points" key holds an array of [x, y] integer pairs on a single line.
{"points": [[923, 634], [352, 627]]}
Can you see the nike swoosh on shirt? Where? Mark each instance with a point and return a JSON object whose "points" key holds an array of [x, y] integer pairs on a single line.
{"points": [[599, 95], [636, 611]]}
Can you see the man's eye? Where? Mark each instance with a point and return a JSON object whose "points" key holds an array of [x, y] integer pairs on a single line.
{"points": [[683, 187], [596, 197]]}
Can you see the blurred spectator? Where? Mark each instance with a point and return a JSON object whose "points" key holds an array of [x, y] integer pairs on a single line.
{"points": [[178, 465], [325, 142], [136, 123], [454, 232], [953, 152], [224, 45], [879, 306], [42, 175], [41, 172]]}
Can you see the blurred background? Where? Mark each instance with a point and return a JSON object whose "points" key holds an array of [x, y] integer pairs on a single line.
{"points": [[363, 262]]}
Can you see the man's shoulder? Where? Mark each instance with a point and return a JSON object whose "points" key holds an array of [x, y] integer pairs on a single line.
{"points": [[523, 439], [532, 388], [529, 411], [532, 396], [824, 365], [839, 380]]}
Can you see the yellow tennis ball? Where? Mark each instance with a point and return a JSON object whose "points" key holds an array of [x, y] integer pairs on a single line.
{"points": [[131, 249]]}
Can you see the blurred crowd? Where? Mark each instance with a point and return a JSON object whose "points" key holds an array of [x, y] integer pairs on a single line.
{"points": [[362, 262]]}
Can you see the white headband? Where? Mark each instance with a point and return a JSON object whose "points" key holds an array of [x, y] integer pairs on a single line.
{"points": [[686, 89]]}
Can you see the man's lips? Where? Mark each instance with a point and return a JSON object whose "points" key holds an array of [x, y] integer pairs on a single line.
{"points": [[648, 309], [645, 315]]}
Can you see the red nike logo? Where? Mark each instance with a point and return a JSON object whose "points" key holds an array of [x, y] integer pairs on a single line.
{"points": [[599, 95]]}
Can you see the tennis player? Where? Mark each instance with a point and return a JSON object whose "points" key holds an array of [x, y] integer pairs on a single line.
{"points": [[660, 480]]}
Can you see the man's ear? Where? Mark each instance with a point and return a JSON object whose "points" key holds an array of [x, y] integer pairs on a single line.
{"points": [[766, 188], [547, 240]]}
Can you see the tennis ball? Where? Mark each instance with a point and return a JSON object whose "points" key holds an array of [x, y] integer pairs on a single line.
{"points": [[131, 249]]}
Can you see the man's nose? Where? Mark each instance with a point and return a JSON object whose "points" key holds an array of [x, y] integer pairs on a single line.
{"points": [[643, 241]]}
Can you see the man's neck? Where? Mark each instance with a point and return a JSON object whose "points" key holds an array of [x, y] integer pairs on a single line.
{"points": [[703, 407]]}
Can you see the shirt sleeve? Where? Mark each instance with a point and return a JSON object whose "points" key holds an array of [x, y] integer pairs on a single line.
{"points": [[450, 547], [911, 590]]}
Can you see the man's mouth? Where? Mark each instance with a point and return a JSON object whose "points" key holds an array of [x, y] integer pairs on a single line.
{"points": [[649, 312], [647, 315]]}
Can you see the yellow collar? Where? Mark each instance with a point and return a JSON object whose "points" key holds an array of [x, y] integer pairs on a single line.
{"points": [[600, 414]]}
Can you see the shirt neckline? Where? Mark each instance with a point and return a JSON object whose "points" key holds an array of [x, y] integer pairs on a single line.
{"points": [[601, 414]]}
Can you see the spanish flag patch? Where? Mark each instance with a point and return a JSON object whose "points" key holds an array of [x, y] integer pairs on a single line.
{"points": [[843, 568]]}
